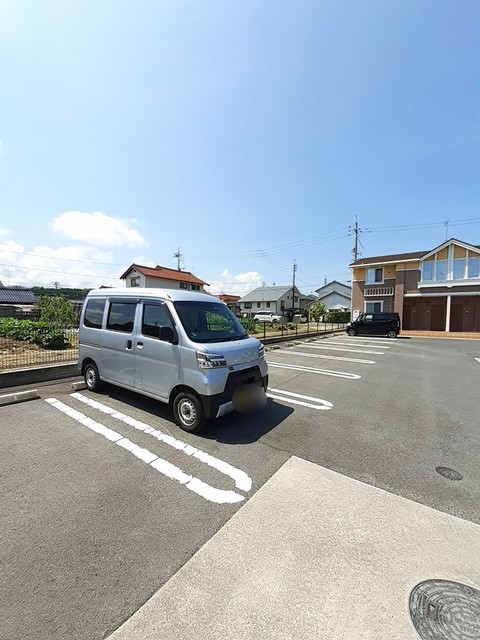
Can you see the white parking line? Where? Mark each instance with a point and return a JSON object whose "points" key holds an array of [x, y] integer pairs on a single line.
{"points": [[477, 359], [358, 344], [316, 403], [212, 494], [318, 346], [323, 372], [323, 357]]}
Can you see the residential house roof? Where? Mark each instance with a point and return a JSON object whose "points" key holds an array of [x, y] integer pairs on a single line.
{"points": [[164, 273], [17, 295], [269, 294], [405, 257], [224, 297], [335, 287]]}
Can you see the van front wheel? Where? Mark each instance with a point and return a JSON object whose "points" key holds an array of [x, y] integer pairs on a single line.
{"points": [[188, 412], [351, 332]]}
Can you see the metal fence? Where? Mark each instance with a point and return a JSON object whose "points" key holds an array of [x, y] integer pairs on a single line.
{"points": [[20, 354]]}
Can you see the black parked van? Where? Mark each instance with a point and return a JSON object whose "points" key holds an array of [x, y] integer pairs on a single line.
{"points": [[375, 324]]}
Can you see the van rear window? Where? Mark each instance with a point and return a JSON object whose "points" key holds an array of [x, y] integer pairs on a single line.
{"points": [[94, 313]]}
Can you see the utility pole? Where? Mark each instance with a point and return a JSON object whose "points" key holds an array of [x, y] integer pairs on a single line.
{"points": [[355, 242], [293, 286], [178, 255]]}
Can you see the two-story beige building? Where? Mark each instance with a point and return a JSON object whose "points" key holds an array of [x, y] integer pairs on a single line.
{"points": [[436, 290]]}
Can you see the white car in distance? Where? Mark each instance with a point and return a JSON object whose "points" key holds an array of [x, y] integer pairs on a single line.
{"points": [[266, 316]]}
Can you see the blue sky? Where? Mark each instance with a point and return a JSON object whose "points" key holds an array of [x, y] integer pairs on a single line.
{"points": [[247, 135]]}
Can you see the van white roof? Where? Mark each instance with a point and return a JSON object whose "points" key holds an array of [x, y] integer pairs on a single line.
{"points": [[152, 292]]}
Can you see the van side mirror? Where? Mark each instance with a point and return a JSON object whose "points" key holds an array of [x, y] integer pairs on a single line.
{"points": [[167, 334]]}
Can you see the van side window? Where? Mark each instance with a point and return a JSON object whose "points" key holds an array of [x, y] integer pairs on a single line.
{"points": [[155, 316], [94, 313], [367, 317], [121, 316]]}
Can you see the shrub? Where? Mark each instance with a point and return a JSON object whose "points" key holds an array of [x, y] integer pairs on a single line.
{"points": [[40, 333]]}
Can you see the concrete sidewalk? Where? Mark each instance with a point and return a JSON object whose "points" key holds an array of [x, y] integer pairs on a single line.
{"points": [[312, 554]]}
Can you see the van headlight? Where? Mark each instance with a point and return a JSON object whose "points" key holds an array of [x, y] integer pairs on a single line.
{"points": [[210, 360], [261, 350]]}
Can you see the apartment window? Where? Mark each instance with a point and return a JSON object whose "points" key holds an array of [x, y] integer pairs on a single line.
{"points": [[374, 306], [374, 276], [459, 265], [441, 269], [427, 271], [473, 268]]}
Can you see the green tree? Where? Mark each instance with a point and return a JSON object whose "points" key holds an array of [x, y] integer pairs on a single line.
{"points": [[317, 309], [57, 310]]}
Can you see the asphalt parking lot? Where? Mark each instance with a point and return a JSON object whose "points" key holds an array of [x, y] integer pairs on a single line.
{"points": [[105, 499]]}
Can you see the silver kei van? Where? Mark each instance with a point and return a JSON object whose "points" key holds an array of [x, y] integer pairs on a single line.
{"points": [[183, 348]]}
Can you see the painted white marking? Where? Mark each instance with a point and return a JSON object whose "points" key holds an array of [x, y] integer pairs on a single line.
{"points": [[358, 344], [323, 372], [477, 359], [323, 357], [318, 346], [241, 479], [316, 403], [164, 467]]}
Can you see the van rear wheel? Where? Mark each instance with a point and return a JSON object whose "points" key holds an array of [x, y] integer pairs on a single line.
{"points": [[92, 377], [188, 412], [391, 334]]}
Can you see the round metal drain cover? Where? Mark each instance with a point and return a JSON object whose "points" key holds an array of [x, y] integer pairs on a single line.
{"points": [[445, 610], [449, 474]]}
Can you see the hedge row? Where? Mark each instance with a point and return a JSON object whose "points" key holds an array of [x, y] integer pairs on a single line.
{"points": [[40, 333]]}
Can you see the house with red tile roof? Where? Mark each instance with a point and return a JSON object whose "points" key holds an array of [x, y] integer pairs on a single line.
{"points": [[160, 277]]}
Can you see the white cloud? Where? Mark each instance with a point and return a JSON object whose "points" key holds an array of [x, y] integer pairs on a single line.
{"points": [[236, 285], [70, 266], [4, 232], [97, 228]]}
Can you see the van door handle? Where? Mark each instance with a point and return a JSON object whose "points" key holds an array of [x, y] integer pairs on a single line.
{"points": [[140, 345], [129, 344]]}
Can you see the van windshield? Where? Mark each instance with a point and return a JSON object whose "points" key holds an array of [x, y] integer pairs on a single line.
{"points": [[209, 321]]}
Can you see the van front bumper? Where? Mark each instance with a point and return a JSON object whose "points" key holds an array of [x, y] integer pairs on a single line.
{"points": [[222, 403]]}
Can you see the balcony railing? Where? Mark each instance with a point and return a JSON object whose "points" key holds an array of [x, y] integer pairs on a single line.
{"points": [[376, 292]]}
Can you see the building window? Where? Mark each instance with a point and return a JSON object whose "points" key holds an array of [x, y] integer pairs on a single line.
{"points": [[473, 268], [195, 287], [374, 307], [135, 282], [427, 271], [259, 304], [268, 305], [459, 265], [441, 269], [183, 285], [374, 276], [247, 305]]}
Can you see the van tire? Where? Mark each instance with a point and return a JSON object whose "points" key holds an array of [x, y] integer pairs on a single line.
{"points": [[351, 332], [92, 377], [391, 334], [188, 411]]}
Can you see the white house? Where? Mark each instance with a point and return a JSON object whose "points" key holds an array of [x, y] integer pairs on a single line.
{"points": [[281, 300], [162, 278], [336, 296]]}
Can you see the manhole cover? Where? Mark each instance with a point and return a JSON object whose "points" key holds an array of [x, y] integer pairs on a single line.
{"points": [[445, 610], [449, 474]]}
